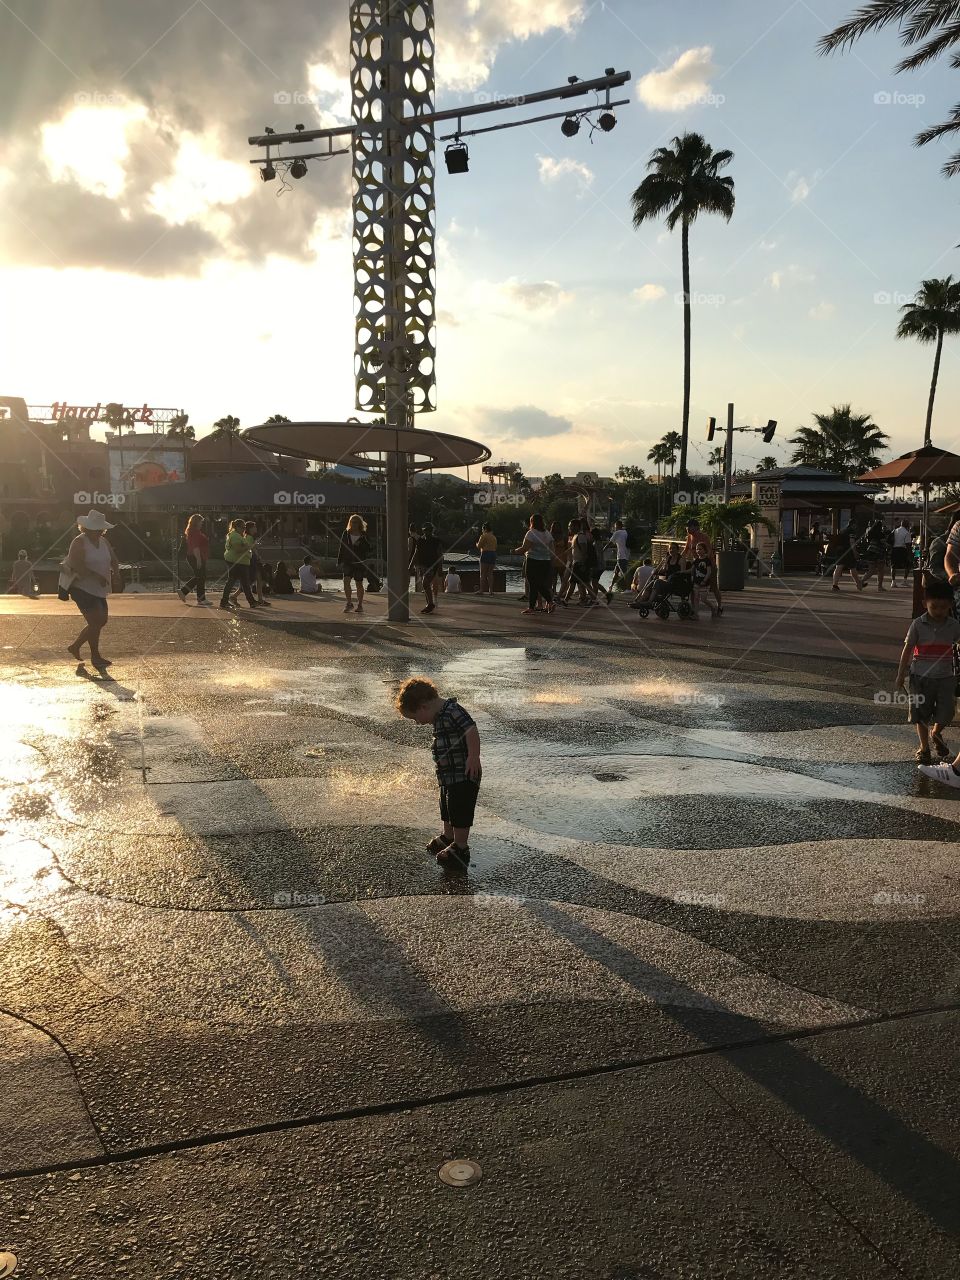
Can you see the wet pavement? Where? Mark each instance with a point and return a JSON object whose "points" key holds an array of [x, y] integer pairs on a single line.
{"points": [[693, 1008]]}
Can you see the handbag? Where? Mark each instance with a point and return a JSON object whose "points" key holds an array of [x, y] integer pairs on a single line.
{"points": [[65, 581], [373, 583]]}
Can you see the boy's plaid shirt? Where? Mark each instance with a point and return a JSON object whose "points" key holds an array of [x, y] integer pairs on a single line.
{"points": [[449, 742]]}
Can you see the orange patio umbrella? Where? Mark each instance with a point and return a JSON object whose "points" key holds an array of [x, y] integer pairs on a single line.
{"points": [[927, 467]]}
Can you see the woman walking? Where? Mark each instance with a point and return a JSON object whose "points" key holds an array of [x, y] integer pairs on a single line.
{"points": [[92, 562], [537, 546], [355, 551], [237, 552], [487, 546], [427, 560], [22, 581], [198, 549]]}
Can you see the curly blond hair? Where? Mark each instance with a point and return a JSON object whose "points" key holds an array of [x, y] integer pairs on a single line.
{"points": [[413, 693]]}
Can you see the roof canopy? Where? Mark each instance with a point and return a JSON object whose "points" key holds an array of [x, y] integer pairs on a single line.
{"points": [[927, 465], [359, 444]]}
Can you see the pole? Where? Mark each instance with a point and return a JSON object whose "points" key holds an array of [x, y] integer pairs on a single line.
{"points": [[728, 455], [395, 390]]}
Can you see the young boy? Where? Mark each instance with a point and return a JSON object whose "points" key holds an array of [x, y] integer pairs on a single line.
{"points": [[928, 653], [456, 753]]}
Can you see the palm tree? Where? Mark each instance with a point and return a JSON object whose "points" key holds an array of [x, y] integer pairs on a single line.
{"points": [[768, 463], [716, 460], [115, 417], [934, 312], [683, 181], [933, 22], [277, 417], [671, 442], [660, 455], [842, 441], [226, 426], [179, 426]]}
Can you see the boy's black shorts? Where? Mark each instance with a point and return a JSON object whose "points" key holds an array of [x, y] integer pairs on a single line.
{"points": [[458, 802]]}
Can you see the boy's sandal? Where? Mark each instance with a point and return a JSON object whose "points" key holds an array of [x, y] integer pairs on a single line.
{"points": [[453, 853], [438, 843]]}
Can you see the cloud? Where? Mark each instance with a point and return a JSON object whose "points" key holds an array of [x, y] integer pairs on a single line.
{"points": [[448, 318], [470, 33], [649, 293], [552, 171], [822, 311], [525, 422], [537, 295], [111, 94], [681, 85], [792, 274], [799, 187]]}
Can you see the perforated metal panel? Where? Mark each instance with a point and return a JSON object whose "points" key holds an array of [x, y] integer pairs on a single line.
{"points": [[394, 216]]}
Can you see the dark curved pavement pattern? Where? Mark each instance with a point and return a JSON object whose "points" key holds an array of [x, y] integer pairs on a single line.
{"points": [[694, 1009]]}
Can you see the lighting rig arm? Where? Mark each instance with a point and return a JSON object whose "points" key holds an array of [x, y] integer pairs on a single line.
{"points": [[456, 154]]}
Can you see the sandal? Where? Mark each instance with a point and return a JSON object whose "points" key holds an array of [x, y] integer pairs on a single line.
{"points": [[439, 843]]}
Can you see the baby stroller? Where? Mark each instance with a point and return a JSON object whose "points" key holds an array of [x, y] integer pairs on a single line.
{"points": [[672, 596]]}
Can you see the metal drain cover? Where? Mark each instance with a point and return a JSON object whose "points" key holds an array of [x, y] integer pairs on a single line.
{"points": [[460, 1173], [8, 1264], [610, 777]]}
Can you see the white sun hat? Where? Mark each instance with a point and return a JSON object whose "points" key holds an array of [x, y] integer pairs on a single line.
{"points": [[94, 520]]}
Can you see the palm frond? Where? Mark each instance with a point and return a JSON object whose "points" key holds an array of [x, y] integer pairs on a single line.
{"points": [[869, 17]]}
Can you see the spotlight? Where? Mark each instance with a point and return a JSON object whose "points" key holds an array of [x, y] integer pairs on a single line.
{"points": [[768, 431], [457, 158], [298, 169], [607, 121], [570, 127], [268, 172]]}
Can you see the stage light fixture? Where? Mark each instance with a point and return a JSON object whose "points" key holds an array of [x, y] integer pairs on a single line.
{"points": [[570, 127], [607, 122], [268, 173], [298, 169], [457, 158]]}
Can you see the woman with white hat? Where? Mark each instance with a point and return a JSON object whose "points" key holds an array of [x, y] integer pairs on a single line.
{"points": [[92, 561]]}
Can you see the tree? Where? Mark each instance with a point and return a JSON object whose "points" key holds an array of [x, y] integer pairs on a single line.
{"points": [[179, 427], [684, 181], [768, 463], [115, 417], [930, 24], [657, 455], [671, 442], [934, 312], [716, 459], [226, 426], [277, 417], [842, 441]]}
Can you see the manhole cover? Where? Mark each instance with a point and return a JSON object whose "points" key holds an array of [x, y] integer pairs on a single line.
{"points": [[460, 1173], [8, 1264], [610, 777]]}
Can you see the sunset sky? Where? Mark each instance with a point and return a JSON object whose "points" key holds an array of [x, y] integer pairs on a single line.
{"points": [[142, 260]]}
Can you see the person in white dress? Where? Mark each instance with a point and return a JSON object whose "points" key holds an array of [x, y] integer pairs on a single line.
{"points": [[92, 563]]}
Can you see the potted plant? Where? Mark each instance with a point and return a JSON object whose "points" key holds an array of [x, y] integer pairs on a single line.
{"points": [[727, 525]]}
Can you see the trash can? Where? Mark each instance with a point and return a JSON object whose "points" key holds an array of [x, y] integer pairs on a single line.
{"points": [[731, 570]]}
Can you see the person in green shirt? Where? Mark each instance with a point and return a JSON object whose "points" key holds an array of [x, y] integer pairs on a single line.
{"points": [[237, 552]]}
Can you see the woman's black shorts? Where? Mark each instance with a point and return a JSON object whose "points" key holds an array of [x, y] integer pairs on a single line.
{"points": [[86, 602], [458, 802]]}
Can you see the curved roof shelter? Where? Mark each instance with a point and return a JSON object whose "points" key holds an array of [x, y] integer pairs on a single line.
{"points": [[362, 444]]}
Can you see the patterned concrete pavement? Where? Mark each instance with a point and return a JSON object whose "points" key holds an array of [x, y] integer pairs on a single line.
{"points": [[694, 1005]]}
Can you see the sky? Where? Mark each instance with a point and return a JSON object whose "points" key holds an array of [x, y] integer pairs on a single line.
{"points": [[141, 259]]}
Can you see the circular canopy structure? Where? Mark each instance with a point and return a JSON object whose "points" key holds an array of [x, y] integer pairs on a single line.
{"points": [[360, 444]]}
